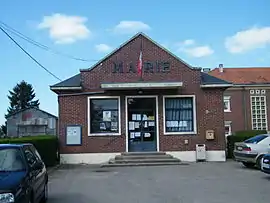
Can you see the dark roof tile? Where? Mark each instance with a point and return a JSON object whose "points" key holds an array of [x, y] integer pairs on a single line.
{"points": [[74, 81], [207, 79]]}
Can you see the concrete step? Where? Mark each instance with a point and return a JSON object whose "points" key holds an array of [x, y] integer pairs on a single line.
{"points": [[167, 160], [143, 159], [142, 164], [161, 156], [142, 153]]}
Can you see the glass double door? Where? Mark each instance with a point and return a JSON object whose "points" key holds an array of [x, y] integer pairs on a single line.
{"points": [[141, 124]]}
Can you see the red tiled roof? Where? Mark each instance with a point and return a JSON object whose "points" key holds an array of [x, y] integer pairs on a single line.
{"points": [[243, 75]]}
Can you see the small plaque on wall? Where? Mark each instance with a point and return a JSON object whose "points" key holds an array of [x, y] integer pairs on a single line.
{"points": [[73, 135]]}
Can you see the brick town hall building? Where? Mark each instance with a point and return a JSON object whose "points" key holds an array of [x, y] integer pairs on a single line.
{"points": [[111, 108]]}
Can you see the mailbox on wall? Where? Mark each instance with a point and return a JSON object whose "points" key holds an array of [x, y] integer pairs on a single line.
{"points": [[210, 135]]}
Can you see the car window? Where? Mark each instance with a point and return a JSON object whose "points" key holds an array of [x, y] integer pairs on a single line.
{"points": [[34, 150], [11, 160], [256, 139], [30, 157]]}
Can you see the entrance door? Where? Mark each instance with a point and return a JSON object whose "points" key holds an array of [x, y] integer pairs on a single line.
{"points": [[141, 124]]}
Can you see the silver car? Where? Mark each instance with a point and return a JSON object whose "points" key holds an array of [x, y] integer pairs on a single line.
{"points": [[251, 151]]}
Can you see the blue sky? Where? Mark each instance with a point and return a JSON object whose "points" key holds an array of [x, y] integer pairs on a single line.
{"points": [[203, 33]]}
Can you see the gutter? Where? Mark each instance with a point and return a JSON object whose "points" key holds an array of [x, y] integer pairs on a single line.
{"points": [[82, 93], [65, 88], [215, 85], [252, 85]]}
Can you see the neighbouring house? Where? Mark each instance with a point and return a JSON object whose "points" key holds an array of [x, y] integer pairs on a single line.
{"points": [[246, 102], [140, 97], [30, 122]]}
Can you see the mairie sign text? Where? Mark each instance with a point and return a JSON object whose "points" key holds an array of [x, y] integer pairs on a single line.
{"points": [[148, 67]]}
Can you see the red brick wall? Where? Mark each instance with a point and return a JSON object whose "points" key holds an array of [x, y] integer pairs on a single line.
{"points": [[210, 116], [130, 53], [236, 116], [73, 110], [240, 105], [209, 103]]}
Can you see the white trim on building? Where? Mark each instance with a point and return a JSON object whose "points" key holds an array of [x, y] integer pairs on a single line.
{"points": [[89, 119], [259, 114], [216, 85], [228, 124], [157, 118], [100, 158], [142, 85], [227, 107], [194, 115]]}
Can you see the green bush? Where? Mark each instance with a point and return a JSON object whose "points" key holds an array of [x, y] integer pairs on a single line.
{"points": [[250, 133], [240, 136], [46, 145]]}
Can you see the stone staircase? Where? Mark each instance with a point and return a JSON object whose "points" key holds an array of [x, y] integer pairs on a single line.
{"points": [[143, 159]]}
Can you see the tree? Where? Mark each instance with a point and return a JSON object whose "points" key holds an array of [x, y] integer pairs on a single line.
{"points": [[3, 129], [21, 97]]}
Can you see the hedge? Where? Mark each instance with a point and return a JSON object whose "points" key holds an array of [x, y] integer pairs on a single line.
{"points": [[250, 133], [240, 136], [47, 146]]}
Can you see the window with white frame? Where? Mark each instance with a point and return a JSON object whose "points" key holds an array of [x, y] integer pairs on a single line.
{"points": [[228, 128], [104, 115], [258, 112], [179, 114], [227, 103]]}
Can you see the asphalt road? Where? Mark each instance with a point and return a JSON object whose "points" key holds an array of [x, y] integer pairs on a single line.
{"points": [[195, 183]]}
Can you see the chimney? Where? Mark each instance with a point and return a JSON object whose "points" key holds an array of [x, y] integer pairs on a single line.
{"points": [[206, 70], [220, 67]]}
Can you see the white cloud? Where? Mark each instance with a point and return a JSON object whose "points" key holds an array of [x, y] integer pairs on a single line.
{"points": [[188, 47], [188, 42], [103, 48], [248, 39], [199, 51], [65, 29], [131, 27]]}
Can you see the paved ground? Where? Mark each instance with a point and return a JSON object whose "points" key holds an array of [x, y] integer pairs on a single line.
{"points": [[196, 183]]}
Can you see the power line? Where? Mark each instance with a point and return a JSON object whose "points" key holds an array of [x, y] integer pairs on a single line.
{"points": [[1, 28], [42, 46]]}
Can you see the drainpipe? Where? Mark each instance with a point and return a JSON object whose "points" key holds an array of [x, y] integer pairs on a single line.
{"points": [[244, 107]]}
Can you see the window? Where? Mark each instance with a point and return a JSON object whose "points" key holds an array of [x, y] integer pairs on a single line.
{"points": [[256, 139], [228, 128], [179, 115], [258, 113], [11, 160], [227, 103], [34, 150], [104, 115], [30, 157]]}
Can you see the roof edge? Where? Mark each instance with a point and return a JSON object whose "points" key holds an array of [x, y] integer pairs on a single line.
{"points": [[216, 85], [68, 80], [66, 88], [21, 110], [252, 85]]}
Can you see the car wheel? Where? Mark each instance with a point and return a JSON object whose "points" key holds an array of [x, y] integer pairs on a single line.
{"points": [[259, 162], [45, 194], [30, 198], [248, 165]]}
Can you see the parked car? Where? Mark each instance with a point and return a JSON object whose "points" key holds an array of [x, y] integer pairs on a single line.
{"points": [[251, 151], [23, 175], [265, 167]]}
